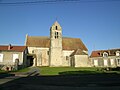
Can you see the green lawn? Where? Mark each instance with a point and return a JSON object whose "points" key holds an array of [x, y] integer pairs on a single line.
{"points": [[67, 70], [23, 70], [2, 71]]}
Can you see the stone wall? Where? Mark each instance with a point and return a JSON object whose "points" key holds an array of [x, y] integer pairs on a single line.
{"points": [[81, 61], [8, 58], [66, 57], [42, 55], [56, 57], [8, 61]]}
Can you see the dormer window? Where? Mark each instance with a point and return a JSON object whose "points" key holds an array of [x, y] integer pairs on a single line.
{"points": [[117, 53], [105, 54]]}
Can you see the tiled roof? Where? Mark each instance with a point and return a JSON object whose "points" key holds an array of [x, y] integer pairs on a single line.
{"points": [[99, 53], [78, 52], [73, 44], [38, 41], [12, 48], [68, 43], [95, 54]]}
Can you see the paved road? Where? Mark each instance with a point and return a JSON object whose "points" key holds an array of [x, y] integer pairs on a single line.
{"points": [[65, 82], [34, 71], [7, 79]]}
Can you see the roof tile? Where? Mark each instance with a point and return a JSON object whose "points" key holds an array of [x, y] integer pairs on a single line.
{"points": [[99, 53], [12, 48], [68, 43]]}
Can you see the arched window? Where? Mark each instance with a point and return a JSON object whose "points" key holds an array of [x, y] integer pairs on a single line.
{"points": [[56, 35], [105, 54], [56, 27]]}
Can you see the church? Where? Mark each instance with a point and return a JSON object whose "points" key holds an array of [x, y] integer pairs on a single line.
{"points": [[56, 50]]}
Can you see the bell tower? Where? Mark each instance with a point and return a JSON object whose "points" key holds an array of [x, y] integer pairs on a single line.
{"points": [[56, 45]]}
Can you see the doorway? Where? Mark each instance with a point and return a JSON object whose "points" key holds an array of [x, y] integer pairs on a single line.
{"points": [[30, 60], [72, 62]]}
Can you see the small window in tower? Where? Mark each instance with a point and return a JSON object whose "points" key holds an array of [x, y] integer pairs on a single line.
{"points": [[57, 34], [55, 37], [56, 28]]}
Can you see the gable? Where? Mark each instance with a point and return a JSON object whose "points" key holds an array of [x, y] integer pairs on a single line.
{"points": [[78, 52]]}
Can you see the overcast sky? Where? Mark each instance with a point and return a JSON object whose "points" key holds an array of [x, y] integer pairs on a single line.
{"points": [[97, 24]]}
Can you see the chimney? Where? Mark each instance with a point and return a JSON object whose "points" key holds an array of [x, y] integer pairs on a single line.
{"points": [[9, 47]]}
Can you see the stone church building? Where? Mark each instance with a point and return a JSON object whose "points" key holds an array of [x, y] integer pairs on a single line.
{"points": [[56, 50]]}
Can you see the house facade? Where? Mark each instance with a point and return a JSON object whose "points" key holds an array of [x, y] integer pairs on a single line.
{"points": [[56, 50], [105, 58], [13, 57]]}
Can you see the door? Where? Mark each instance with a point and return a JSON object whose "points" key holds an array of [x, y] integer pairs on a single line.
{"points": [[72, 62]]}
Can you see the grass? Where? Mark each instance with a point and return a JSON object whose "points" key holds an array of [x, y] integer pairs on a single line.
{"points": [[2, 71], [23, 70], [67, 70]]}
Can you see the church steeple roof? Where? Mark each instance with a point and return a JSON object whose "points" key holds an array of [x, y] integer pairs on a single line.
{"points": [[56, 24]]}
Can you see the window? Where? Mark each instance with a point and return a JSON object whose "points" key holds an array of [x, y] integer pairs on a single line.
{"points": [[1, 57], [112, 61], [56, 27], [67, 57], [105, 63], [32, 51], [95, 62], [105, 54], [56, 35], [118, 62], [15, 56]]}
